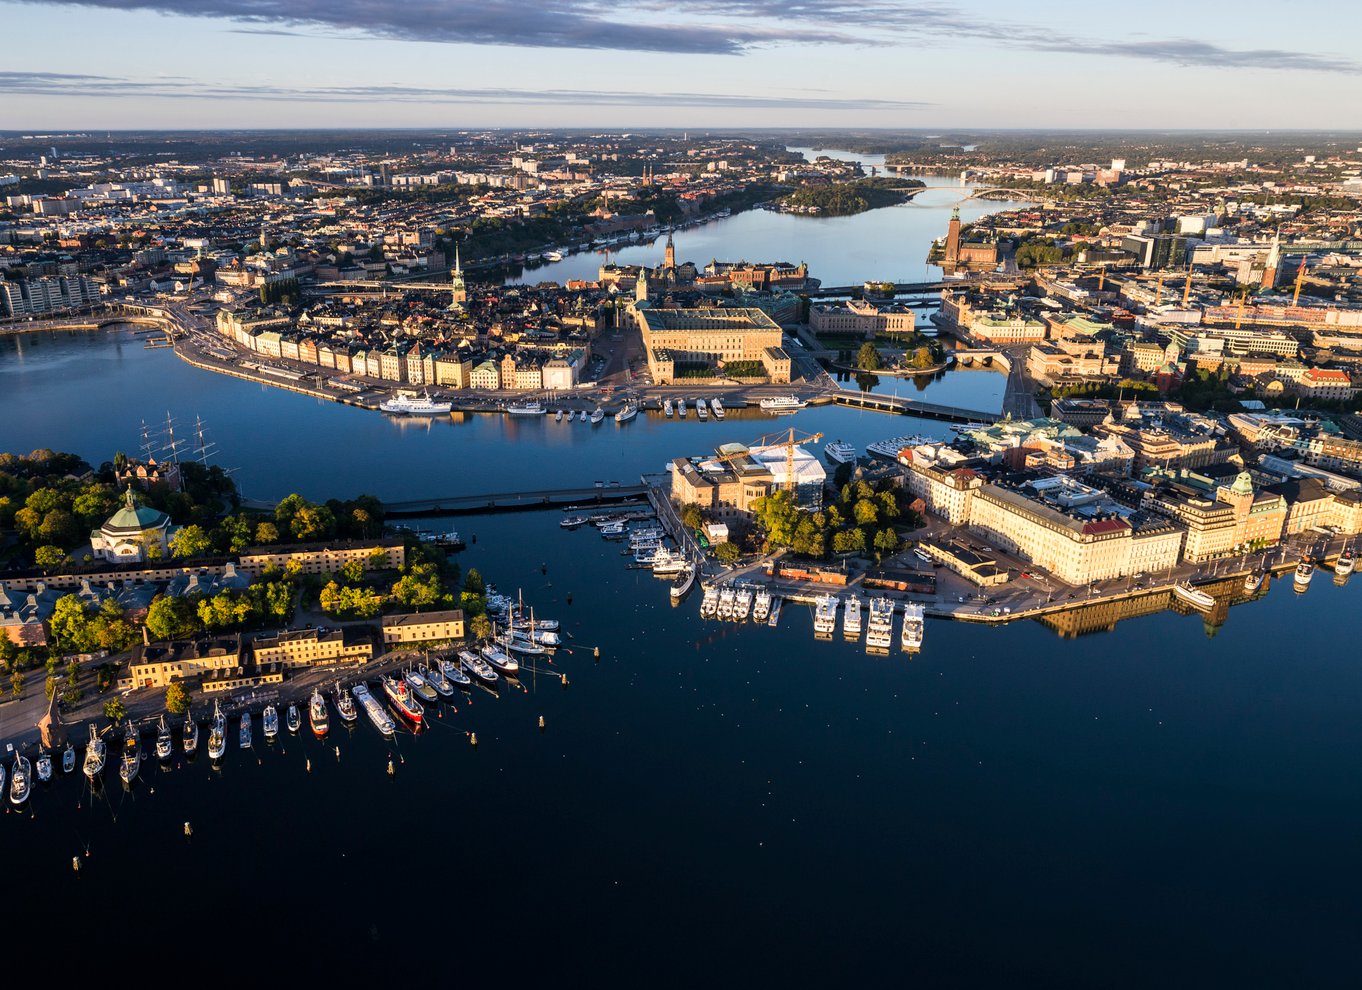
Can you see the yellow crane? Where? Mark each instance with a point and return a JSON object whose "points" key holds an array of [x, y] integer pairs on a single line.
{"points": [[789, 441]]}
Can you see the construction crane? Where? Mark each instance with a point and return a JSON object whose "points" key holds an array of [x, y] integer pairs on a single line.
{"points": [[788, 440]]}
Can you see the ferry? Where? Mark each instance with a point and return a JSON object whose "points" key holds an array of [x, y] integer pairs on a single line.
{"points": [[783, 404], [742, 604], [1305, 570], [454, 673], [165, 745], [597, 416], [889, 449], [669, 563], [879, 633], [217, 736], [400, 694], [912, 626], [761, 606], [94, 755], [317, 716], [190, 735], [668, 409], [477, 666], [1253, 580], [825, 615], [345, 705], [1193, 596], [501, 660], [21, 781], [533, 408], [132, 755], [851, 618], [681, 408], [405, 403], [1345, 563], [627, 413], [383, 722], [840, 452], [716, 406], [683, 583], [244, 733], [709, 604], [271, 720], [702, 408], [726, 596], [963, 428]]}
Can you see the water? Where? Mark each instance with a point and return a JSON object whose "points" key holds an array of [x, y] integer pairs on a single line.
{"points": [[713, 802]]}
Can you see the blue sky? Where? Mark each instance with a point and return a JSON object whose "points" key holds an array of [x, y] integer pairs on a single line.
{"points": [[818, 63]]}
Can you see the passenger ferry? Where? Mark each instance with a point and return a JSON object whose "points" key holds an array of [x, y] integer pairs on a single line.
{"points": [[912, 626], [851, 618], [1193, 596], [783, 404], [761, 605], [1305, 570], [825, 615], [889, 449], [405, 403], [840, 452], [526, 409], [627, 413]]}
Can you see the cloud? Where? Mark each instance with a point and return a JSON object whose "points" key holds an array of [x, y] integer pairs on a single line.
{"points": [[90, 86]]}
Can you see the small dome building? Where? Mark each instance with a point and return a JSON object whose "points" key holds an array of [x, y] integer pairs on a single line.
{"points": [[130, 534]]}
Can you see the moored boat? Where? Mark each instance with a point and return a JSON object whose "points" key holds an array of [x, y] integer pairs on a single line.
{"points": [[1345, 563], [879, 631], [271, 720], [420, 686], [913, 625], [889, 449], [840, 452], [531, 408], [501, 660], [454, 673], [399, 692], [68, 758], [382, 721], [345, 705], [405, 403], [20, 780], [477, 666], [627, 412], [667, 408], [317, 715], [43, 766], [292, 720], [851, 618], [244, 732], [189, 735], [572, 522], [94, 754], [597, 415], [716, 406], [1305, 570], [1253, 580], [1193, 596], [783, 404], [702, 408], [709, 604], [132, 755], [217, 734], [165, 745], [761, 605], [825, 615], [436, 679]]}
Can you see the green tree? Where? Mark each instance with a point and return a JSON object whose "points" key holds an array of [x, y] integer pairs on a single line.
{"points": [[472, 604], [16, 683], [726, 552], [267, 534], [313, 522], [59, 527], [865, 512], [868, 358], [115, 711], [886, 541], [473, 582], [691, 516], [848, 541], [419, 587], [480, 626], [190, 541], [171, 617], [352, 571], [48, 556], [70, 624], [177, 698]]}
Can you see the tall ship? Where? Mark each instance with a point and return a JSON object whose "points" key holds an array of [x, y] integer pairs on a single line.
{"points": [[840, 452], [383, 722], [531, 408], [825, 615], [912, 626], [1193, 596], [316, 714], [783, 404], [851, 618], [879, 633], [400, 694], [94, 755], [404, 403]]}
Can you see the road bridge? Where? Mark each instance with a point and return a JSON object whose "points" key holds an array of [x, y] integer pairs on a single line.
{"points": [[603, 494], [912, 407]]}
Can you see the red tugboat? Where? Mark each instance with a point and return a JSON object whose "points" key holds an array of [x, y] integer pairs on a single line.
{"points": [[399, 693]]}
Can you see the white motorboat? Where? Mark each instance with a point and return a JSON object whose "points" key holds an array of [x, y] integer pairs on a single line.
{"points": [[681, 408], [667, 408], [1193, 596], [572, 522], [382, 721], [165, 744], [43, 766], [825, 615], [761, 605], [558, 416], [742, 604], [531, 408], [477, 666], [716, 406], [405, 403], [627, 412], [1345, 563], [879, 632], [783, 404], [840, 452], [94, 755], [1305, 570], [597, 415], [271, 719], [669, 563], [851, 618], [1253, 580], [913, 626], [68, 758], [726, 597], [455, 674], [132, 755], [501, 660], [702, 408], [20, 781], [709, 604]]}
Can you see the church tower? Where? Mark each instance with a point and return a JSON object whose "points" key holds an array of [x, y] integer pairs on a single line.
{"points": [[1274, 262], [458, 290], [670, 260], [264, 241]]}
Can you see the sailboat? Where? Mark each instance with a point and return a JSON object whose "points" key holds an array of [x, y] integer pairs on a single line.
{"points": [[165, 745], [94, 755], [217, 736], [132, 755], [190, 734], [454, 673]]}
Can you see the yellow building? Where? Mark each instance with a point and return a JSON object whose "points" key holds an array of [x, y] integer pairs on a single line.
{"points": [[708, 336], [423, 627], [302, 647], [155, 665], [323, 558]]}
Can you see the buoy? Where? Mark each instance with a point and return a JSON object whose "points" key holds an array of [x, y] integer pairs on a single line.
{"points": [[598, 653], [543, 568], [473, 739], [188, 829], [569, 598], [565, 680], [75, 863], [391, 769], [338, 752], [309, 765], [541, 723]]}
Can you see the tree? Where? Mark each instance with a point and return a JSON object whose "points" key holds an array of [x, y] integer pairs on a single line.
{"points": [[177, 698], [691, 516], [266, 534], [726, 552], [473, 582], [171, 617], [352, 571], [115, 711], [848, 541], [868, 358], [48, 556], [419, 587], [887, 541], [865, 512], [69, 623], [313, 522], [16, 684], [190, 541], [480, 626], [59, 527]]}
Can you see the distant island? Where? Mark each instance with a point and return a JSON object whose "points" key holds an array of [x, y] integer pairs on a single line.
{"points": [[844, 199]]}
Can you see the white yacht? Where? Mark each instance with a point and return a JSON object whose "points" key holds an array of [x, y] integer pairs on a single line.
{"points": [[667, 408], [889, 449], [94, 755], [726, 596], [879, 632], [1305, 570], [405, 403], [742, 604], [709, 605], [761, 605], [783, 404], [165, 743], [20, 781], [530, 408], [851, 618], [597, 416], [825, 615], [1193, 596], [716, 406], [1345, 563], [217, 735], [702, 408], [912, 626], [628, 412], [840, 452], [681, 408], [669, 563]]}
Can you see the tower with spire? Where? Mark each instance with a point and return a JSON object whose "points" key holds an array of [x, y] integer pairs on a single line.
{"points": [[669, 261], [1274, 261], [458, 290], [953, 239]]}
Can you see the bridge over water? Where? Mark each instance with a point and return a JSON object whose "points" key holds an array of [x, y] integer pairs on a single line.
{"points": [[912, 407], [606, 493]]}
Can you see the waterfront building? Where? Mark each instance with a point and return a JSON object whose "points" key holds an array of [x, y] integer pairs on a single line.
{"points": [[1259, 517], [727, 484], [155, 665], [304, 647], [946, 490], [36, 296], [860, 317], [132, 534], [423, 627], [709, 336], [1210, 524], [385, 553], [485, 375], [1068, 361]]}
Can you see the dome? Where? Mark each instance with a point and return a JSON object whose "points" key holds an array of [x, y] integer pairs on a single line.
{"points": [[134, 518], [1243, 484]]}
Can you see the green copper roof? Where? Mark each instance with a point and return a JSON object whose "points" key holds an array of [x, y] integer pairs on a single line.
{"points": [[134, 518]]}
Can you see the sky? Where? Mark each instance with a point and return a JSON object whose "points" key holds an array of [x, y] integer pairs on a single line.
{"points": [[1214, 64]]}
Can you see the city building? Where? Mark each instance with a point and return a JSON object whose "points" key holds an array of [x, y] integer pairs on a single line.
{"points": [[384, 553], [861, 318], [423, 627], [304, 647], [155, 665], [728, 483], [133, 534], [711, 338]]}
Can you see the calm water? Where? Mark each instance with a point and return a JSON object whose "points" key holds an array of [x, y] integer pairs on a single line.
{"points": [[711, 802]]}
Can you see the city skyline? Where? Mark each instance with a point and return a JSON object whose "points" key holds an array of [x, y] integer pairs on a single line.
{"points": [[578, 63]]}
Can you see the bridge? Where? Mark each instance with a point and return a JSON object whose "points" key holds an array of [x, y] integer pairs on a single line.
{"points": [[912, 407], [917, 288], [603, 493], [138, 315]]}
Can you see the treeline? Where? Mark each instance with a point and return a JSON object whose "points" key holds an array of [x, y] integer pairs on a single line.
{"points": [[861, 519], [847, 198]]}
